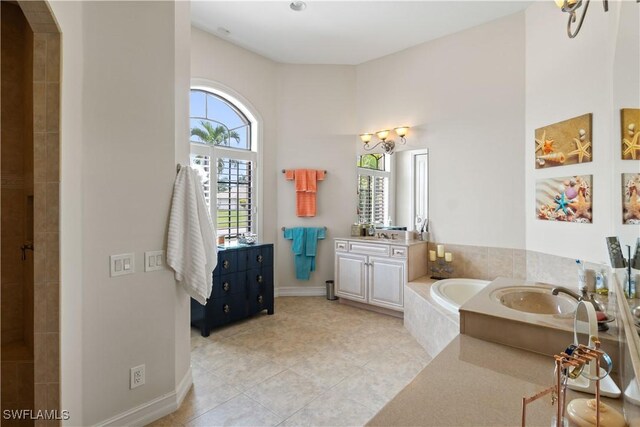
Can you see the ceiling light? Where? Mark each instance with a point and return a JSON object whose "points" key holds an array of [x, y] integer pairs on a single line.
{"points": [[298, 6]]}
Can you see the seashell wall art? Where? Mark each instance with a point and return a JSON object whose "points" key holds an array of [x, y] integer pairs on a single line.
{"points": [[630, 124], [564, 143], [631, 198], [565, 199]]}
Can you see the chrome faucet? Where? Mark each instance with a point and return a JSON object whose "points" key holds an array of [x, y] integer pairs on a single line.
{"points": [[584, 296]]}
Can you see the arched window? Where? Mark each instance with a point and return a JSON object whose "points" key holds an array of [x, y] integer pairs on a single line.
{"points": [[224, 151]]}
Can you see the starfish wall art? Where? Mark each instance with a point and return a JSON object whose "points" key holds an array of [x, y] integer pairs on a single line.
{"points": [[630, 124], [631, 198], [564, 143], [566, 199]]}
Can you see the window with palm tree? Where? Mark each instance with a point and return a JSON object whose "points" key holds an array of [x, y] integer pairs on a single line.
{"points": [[221, 136]]}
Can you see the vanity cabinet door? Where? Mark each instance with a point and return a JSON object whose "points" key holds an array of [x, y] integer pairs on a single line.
{"points": [[386, 282], [351, 276]]}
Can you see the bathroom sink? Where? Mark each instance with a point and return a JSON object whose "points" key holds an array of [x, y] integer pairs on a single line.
{"points": [[534, 299]]}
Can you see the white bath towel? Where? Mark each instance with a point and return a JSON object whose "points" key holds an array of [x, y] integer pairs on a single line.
{"points": [[191, 243]]}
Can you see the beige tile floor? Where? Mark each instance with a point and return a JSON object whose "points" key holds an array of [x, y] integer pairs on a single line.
{"points": [[313, 363]]}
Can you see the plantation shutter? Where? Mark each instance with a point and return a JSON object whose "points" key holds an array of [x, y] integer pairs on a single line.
{"points": [[372, 196], [234, 196]]}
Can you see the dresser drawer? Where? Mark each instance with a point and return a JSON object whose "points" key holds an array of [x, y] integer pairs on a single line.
{"points": [[260, 257], [225, 309], [368, 249], [257, 277], [260, 298], [399, 251], [341, 246], [227, 284], [227, 262]]}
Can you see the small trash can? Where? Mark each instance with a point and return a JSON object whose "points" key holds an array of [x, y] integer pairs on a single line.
{"points": [[331, 290]]}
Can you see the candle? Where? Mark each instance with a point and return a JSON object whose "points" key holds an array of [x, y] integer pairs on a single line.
{"points": [[432, 255], [440, 249], [448, 257]]}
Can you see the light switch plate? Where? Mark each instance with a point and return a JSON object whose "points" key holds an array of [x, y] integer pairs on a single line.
{"points": [[117, 264], [153, 260]]}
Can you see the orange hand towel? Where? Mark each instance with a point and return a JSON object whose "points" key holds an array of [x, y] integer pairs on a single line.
{"points": [[306, 188], [301, 179]]}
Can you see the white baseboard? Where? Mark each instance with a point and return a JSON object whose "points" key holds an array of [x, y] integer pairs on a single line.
{"points": [[154, 409], [183, 387], [295, 291]]}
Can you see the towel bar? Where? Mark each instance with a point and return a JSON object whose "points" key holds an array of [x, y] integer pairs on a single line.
{"points": [[284, 228], [284, 170]]}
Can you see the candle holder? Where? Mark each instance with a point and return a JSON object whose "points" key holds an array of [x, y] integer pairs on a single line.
{"points": [[442, 269]]}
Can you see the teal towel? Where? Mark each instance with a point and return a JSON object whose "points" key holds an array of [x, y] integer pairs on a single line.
{"points": [[304, 248]]}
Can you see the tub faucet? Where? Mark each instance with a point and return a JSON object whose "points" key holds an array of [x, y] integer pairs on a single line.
{"points": [[584, 296]]}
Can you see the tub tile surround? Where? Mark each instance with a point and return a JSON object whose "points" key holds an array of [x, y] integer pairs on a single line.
{"points": [[484, 263], [421, 310], [489, 263]]}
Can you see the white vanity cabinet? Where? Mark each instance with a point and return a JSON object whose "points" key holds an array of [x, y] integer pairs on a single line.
{"points": [[375, 272]]}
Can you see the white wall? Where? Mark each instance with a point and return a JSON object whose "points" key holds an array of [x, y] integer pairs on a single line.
{"points": [[463, 95], [255, 79], [308, 117], [567, 78], [626, 94], [182, 67], [119, 104], [316, 125], [69, 18]]}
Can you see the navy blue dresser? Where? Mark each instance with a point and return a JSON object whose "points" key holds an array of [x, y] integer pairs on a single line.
{"points": [[242, 287]]}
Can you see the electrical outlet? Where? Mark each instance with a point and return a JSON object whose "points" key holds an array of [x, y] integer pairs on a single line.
{"points": [[136, 377]]}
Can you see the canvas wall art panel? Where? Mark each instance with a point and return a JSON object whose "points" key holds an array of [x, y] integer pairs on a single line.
{"points": [[566, 199], [564, 143], [630, 130], [630, 198]]}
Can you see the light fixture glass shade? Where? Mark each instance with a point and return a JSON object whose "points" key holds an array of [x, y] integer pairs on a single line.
{"points": [[366, 137], [402, 131], [560, 3], [382, 134]]}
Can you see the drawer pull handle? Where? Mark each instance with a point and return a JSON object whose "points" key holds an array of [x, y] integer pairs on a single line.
{"points": [[226, 309], [260, 279], [225, 286], [260, 299], [260, 258], [225, 264]]}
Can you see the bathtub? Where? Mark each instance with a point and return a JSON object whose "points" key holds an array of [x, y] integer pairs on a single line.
{"points": [[452, 293]]}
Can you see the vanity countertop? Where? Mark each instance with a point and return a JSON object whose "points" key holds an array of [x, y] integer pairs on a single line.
{"points": [[398, 242], [477, 383]]}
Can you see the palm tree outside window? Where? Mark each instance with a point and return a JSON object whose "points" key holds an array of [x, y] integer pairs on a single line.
{"points": [[221, 136]]}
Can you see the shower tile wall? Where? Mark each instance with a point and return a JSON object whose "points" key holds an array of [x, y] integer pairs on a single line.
{"points": [[39, 377], [16, 197], [46, 116]]}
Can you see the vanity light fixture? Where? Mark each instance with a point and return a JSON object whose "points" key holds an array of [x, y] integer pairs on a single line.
{"points": [[388, 145], [571, 6]]}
